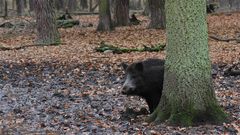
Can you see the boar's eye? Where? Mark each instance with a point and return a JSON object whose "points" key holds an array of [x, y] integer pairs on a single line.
{"points": [[124, 66], [133, 76]]}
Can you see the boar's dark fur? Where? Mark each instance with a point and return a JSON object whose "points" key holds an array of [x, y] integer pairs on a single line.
{"points": [[145, 79]]}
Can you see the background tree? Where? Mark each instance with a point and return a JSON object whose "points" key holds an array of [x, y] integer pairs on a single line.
{"points": [[84, 4], [47, 32], [188, 94], [146, 8], [20, 7], [6, 9], [72, 5], [234, 5], [104, 16], [31, 5], [122, 12], [224, 5], [157, 11], [59, 4], [2, 3]]}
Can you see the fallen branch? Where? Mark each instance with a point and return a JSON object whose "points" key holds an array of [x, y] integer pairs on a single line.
{"points": [[106, 47], [234, 70], [3, 48], [224, 39]]}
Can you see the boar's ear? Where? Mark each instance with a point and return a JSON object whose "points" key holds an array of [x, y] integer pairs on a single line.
{"points": [[124, 65], [139, 66]]}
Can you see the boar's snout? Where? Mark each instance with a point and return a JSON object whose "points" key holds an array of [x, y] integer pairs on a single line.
{"points": [[126, 90]]}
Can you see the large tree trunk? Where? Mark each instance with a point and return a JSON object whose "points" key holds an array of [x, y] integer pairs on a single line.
{"points": [[104, 16], [122, 12], [47, 32], [157, 13], [188, 94], [20, 7]]}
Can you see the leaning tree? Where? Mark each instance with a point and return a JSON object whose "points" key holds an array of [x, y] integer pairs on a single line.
{"points": [[188, 94]]}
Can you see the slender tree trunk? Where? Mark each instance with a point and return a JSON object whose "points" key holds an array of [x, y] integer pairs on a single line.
{"points": [[47, 32], [20, 7], [25, 3], [157, 13], [2, 4], [104, 16], [14, 4], [122, 12], [31, 5], [146, 11], [188, 94], [90, 6], [139, 4], [6, 8]]}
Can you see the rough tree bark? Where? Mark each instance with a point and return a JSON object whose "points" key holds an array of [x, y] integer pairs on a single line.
{"points": [[157, 9], [47, 32], [122, 13], [20, 7], [104, 16], [188, 94]]}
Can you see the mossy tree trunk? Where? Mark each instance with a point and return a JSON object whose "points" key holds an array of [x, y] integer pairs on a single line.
{"points": [[104, 16], [47, 32], [188, 94], [122, 13], [157, 9]]}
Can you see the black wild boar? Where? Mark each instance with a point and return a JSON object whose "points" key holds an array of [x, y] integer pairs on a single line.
{"points": [[145, 79]]}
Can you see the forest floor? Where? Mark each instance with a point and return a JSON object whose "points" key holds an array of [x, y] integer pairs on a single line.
{"points": [[72, 89]]}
